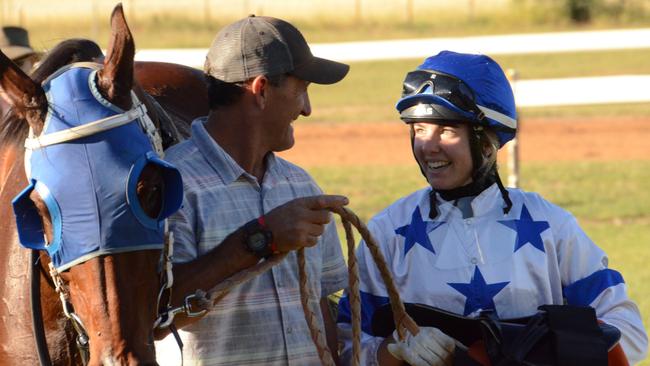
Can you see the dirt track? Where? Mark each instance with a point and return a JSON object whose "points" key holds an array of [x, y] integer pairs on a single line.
{"points": [[540, 140]]}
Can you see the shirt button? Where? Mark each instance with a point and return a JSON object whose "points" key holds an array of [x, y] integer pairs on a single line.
{"points": [[474, 260], [468, 221], [289, 330]]}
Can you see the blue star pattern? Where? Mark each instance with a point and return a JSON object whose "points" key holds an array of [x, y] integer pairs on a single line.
{"points": [[480, 295], [528, 230], [417, 232]]}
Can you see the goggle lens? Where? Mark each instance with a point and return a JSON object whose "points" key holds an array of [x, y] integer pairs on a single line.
{"points": [[445, 86]]}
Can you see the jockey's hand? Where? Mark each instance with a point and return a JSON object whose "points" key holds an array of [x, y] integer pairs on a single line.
{"points": [[300, 222], [431, 347]]}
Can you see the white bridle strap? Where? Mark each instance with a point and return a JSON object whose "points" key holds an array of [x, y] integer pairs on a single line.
{"points": [[149, 128], [86, 130], [139, 112]]}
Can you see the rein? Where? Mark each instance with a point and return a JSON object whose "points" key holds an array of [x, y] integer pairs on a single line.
{"points": [[37, 312], [403, 322]]}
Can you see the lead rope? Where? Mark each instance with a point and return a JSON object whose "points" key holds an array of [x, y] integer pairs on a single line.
{"points": [[403, 322]]}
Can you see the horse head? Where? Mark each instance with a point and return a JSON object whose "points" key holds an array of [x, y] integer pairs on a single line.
{"points": [[98, 194]]}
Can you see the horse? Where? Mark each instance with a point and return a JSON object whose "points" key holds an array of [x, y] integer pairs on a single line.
{"points": [[114, 294]]}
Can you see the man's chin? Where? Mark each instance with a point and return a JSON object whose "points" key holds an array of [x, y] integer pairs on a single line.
{"points": [[284, 147]]}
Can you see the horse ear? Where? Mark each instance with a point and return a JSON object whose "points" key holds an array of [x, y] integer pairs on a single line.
{"points": [[116, 78], [25, 95]]}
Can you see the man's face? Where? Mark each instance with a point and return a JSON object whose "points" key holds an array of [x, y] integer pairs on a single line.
{"points": [[443, 153], [287, 102]]}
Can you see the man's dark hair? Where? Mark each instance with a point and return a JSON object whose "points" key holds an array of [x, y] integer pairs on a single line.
{"points": [[222, 94]]}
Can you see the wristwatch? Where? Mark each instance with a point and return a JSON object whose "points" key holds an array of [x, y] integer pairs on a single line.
{"points": [[258, 239]]}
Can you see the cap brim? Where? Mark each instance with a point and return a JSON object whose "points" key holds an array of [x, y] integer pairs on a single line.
{"points": [[321, 71], [425, 112], [444, 109], [15, 52]]}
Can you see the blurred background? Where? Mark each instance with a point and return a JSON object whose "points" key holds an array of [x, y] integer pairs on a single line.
{"points": [[591, 157]]}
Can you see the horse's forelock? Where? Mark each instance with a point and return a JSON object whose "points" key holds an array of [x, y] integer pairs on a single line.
{"points": [[65, 53]]}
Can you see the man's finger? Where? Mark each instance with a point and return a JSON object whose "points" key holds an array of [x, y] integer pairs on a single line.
{"points": [[325, 201], [320, 217]]}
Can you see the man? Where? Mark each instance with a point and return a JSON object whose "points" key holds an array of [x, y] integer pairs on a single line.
{"points": [[242, 203], [14, 42]]}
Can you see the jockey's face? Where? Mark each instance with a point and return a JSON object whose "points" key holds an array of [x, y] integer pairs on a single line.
{"points": [[443, 152], [287, 102]]}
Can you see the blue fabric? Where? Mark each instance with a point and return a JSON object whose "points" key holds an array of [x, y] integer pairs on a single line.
{"points": [[479, 294], [583, 292], [89, 180], [369, 304], [482, 74]]}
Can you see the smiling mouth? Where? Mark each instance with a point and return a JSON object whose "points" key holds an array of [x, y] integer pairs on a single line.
{"points": [[434, 165]]}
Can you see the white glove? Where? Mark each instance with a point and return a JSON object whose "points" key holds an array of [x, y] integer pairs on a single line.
{"points": [[431, 347]]}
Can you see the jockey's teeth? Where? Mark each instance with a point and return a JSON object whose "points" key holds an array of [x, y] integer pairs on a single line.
{"points": [[437, 164]]}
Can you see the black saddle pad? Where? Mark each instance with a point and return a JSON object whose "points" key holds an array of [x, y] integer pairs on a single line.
{"points": [[468, 330]]}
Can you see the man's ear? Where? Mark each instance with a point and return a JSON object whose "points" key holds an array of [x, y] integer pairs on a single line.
{"points": [[260, 88]]}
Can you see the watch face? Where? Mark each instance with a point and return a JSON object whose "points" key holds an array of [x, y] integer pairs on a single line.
{"points": [[257, 241]]}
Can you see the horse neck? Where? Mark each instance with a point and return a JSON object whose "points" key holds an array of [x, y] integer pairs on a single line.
{"points": [[16, 332], [115, 297]]}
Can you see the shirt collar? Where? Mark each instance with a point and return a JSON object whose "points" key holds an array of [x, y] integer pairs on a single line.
{"points": [[222, 163], [489, 199]]}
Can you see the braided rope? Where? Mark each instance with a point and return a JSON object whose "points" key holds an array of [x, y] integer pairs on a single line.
{"points": [[317, 336], [403, 322], [207, 300], [355, 301]]}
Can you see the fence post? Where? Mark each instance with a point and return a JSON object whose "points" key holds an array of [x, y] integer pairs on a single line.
{"points": [[513, 146], [357, 11], [206, 13], [409, 12]]}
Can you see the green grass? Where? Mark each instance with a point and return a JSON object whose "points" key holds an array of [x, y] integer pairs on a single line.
{"points": [[609, 199], [195, 23], [371, 89]]}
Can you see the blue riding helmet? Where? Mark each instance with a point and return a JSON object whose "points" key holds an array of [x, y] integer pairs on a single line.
{"points": [[89, 183], [454, 86]]}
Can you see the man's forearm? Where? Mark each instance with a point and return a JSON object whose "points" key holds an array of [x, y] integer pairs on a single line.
{"points": [[207, 271]]}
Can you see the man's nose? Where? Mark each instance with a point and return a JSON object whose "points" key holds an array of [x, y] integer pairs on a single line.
{"points": [[306, 105]]}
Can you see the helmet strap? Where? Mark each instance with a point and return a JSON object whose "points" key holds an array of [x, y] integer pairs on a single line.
{"points": [[483, 176]]}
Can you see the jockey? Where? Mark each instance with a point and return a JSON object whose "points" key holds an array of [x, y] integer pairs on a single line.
{"points": [[466, 244]]}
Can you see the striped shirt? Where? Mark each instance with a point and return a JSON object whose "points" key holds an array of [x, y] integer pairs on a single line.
{"points": [[260, 322]]}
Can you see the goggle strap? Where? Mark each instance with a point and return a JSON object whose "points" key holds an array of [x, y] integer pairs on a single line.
{"points": [[499, 117]]}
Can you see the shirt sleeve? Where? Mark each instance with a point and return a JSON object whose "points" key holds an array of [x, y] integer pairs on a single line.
{"points": [[588, 281], [182, 224], [334, 270]]}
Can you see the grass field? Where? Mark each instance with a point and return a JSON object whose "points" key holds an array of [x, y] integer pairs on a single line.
{"points": [[610, 201], [371, 89]]}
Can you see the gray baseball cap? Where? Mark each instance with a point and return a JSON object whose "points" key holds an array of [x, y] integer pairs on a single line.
{"points": [[262, 45]]}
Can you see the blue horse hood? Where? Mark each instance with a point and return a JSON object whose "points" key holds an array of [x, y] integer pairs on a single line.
{"points": [[89, 184]]}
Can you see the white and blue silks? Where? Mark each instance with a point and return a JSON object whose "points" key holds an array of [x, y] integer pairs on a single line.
{"points": [[511, 264], [89, 183]]}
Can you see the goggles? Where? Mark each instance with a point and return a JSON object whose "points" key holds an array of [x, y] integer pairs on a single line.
{"points": [[447, 87]]}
